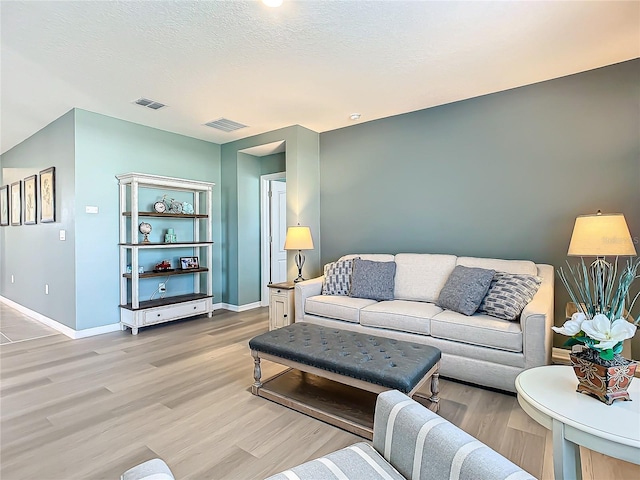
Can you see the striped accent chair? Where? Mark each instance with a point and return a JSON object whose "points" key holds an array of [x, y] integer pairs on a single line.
{"points": [[410, 442]]}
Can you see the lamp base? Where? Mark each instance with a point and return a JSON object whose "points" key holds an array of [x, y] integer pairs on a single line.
{"points": [[299, 263]]}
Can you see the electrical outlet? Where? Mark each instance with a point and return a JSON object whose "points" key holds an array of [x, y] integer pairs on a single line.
{"points": [[162, 287], [12, 279]]}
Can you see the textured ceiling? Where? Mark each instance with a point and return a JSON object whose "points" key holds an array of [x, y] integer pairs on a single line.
{"points": [[307, 63]]}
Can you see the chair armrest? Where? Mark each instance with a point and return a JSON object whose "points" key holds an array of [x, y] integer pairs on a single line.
{"points": [[304, 290], [421, 444], [154, 469], [536, 321]]}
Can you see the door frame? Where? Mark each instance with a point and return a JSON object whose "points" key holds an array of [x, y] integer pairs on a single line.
{"points": [[265, 261]]}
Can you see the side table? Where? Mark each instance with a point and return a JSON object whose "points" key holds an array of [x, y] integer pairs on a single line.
{"points": [[281, 304], [548, 395]]}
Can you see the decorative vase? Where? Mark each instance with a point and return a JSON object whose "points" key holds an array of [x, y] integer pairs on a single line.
{"points": [[603, 380]]}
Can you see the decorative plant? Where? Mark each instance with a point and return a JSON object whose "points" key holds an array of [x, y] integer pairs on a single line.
{"points": [[601, 297]]}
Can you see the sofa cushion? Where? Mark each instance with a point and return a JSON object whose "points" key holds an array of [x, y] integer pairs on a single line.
{"points": [[478, 329], [372, 280], [510, 266], [421, 276], [357, 462], [334, 306], [509, 294], [337, 277], [401, 315], [465, 288]]}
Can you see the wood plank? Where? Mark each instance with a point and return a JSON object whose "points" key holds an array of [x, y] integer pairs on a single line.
{"points": [[160, 302], [168, 273]]}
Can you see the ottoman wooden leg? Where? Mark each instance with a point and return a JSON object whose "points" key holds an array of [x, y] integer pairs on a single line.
{"points": [[257, 373], [435, 389]]}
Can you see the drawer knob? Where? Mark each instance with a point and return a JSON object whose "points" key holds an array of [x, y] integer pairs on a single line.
{"points": [[194, 308], [158, 314], [278, 291], [285, 316]]}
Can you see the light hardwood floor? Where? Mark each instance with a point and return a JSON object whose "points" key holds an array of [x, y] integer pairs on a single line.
{"points": [[92, 408]]}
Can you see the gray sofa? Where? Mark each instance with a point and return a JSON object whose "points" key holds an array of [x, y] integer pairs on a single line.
{"points": [[479, 348], [409, 441]]}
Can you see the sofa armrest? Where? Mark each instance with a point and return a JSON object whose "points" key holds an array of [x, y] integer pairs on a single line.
{"points": [[304, 290], [421, 444], [154, 469], [536, 321]]}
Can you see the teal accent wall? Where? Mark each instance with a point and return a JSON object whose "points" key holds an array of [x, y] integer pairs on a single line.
{"points": [[241, 206], [274, 163], [106, 147], [502, 175], [33, 254]]}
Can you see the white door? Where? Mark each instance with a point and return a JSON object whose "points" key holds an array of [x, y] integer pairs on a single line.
{"points": [[278, 227]]}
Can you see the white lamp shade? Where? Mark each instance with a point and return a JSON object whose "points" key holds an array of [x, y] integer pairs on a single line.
{"points": [[601, 235], [298, 238]]}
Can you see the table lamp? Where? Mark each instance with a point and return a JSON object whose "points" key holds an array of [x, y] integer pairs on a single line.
{"points": [[299, 238], [598, 236]]}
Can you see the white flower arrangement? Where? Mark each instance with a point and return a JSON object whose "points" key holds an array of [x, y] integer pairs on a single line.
{"points": [[601, 322]]}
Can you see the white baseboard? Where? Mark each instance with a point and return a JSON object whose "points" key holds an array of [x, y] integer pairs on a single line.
{"points": [[236, 308], [49, 322], [560, 356]]}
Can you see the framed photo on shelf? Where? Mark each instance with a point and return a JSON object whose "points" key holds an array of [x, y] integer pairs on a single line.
{"points": [[16, 203], [4, 206], [189, 263], [48, 195], [30, 200]]}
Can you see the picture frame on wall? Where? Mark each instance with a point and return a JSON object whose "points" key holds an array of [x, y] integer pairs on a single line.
{"points": [[48, 195], [30, 202], [16, 203], [4, 206]]}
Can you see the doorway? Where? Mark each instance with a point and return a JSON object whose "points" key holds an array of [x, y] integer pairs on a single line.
{"points": [[273, 206]]}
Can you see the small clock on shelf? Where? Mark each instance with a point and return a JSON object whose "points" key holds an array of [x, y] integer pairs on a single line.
{"points": [[160, 206]]}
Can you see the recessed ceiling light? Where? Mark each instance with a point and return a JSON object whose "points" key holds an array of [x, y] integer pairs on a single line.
{"points": [[355, 116], [272, 3]]}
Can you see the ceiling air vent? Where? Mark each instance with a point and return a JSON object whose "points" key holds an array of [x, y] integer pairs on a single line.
{"points": [[225, 125], [145, 102]]}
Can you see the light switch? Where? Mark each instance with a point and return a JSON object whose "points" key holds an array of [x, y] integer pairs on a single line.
{"points": [[91, 209], [63, 234]]}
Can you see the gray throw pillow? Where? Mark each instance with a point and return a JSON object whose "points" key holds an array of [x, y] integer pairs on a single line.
{"points": [[465, 288], [508, 294], [337, 277], [374, 280]]}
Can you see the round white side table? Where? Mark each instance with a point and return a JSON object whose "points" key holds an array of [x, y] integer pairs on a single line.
{"points": [[548, 395]]}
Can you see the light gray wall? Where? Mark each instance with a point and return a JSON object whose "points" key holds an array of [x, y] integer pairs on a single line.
{"points": [[502, 175], [106, 147], [303, 206], [33, 254]]}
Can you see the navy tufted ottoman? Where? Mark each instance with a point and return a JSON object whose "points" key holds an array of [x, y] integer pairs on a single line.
{"points": [[361, 361]]}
